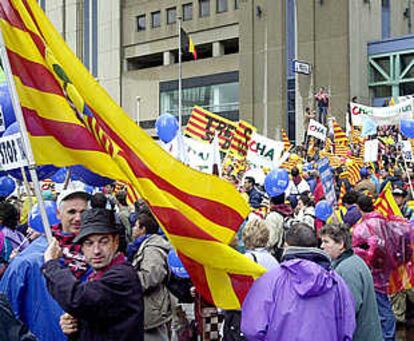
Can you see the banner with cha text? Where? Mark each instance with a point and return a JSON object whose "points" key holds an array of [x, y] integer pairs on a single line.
{"points": [[382, 115], [317, 130], [264, 152]]}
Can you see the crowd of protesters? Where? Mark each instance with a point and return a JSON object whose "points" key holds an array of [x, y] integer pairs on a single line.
{"points": [[110, 273]]}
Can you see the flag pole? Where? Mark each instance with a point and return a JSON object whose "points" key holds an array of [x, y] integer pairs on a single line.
{"points": [[23, 131], [180, 74]]}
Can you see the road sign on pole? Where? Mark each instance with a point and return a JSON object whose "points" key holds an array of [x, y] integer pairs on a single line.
{"points": [[302, 67]]}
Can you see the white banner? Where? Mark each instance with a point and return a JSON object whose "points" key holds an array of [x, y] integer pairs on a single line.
{"points": [[407, 151], [382, 116], [11, 152], [317, 130], [264, 152], [371, 151], [2, 121]]}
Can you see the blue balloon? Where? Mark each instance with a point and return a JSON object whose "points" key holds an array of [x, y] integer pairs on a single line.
{"points": [[323, 210], [276, 182], [43, 172], [6, 105], [167, 127], [35, 219], [7, 186], [60, 176], [407, 128], [84, 175], [176, 266]]}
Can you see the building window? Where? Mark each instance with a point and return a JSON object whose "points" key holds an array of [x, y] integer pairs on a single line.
{"points": [[204, 6], [290, 75], [386, 19], [217, 98], [90, 36], [156, 19], [391, 75], [141, 23], [236, 4], [187, 12], [222, 6], [171, 15]]}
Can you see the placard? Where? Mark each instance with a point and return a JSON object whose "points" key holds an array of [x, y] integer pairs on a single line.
{"points": [[11, 152], [264, 152], [371, 151], [317, 130]]}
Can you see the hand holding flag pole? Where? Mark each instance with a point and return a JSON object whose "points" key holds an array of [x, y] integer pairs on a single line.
{"points": [[23, 131]]}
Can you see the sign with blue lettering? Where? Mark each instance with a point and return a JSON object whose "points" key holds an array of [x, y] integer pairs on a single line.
{"points": [[327, 178]]}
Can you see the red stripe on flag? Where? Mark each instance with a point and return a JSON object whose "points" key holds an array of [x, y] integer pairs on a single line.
{"points": [[241, 285], [190, 130], [198, 276], [176, 223], [68, 134], [12, 16], [34, 75]]}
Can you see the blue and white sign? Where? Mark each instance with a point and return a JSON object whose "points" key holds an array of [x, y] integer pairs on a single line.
{"points": [[327, 178]]}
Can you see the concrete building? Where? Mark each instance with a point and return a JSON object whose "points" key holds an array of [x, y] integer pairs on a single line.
{"points": [[246, 50]]}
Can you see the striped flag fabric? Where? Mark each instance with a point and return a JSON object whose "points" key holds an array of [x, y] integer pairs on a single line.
{"points": [[342, 192], [354, 175], [71, 120], [386, 204], [233, 136], [187, 44], [285, 140], [339, 135]]}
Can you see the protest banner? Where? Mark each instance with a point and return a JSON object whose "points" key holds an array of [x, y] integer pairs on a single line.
{"points": [[233, 136], [382, 116], [317, 130], [11, 152], [327, 179], [371, 151], [407, 151], [264, 152]]}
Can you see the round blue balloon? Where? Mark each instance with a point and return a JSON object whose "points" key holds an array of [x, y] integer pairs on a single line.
{"points": [[43, 172], [407, 128], [84, 175], [167, 127], [35, 219], [7, 186], [6, 105], [177, 268], [323, 210], [60, 176], [276, 182]]}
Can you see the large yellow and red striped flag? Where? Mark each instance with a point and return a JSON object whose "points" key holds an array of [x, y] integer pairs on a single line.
{"points": [[71, 120], [386, 204]]}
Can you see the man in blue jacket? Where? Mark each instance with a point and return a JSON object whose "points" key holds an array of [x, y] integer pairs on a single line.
{"points": [[23, 283]]}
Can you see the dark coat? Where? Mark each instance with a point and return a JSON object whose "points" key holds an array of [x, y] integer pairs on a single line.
{"points": [[255, 198], [110, 308]]}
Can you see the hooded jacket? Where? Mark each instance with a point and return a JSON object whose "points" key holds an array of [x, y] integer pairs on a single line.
{"points": [[300, 300], [150, 263]]}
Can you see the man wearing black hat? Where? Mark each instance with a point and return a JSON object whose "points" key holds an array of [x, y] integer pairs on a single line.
{"points": [[110, 305]]}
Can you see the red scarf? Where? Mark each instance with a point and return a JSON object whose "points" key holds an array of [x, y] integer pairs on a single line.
{"points": [[72, 255], [97, 275]]}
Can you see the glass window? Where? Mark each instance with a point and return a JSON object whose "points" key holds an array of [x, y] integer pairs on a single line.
{"points": [[171, 15], [141, 23], [386, 19], [156, 19], [236, 4], [382, 91], [221, 6], [187, 11], [204, 8], [217, 98]]}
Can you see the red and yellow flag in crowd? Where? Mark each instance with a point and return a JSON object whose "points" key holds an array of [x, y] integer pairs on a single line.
{"points": [[342, 192], [285, 140], [233, 136], [71, 120], [386, 204]]}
